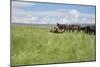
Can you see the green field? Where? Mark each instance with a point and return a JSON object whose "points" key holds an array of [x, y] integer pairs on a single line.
{"points": [[36, 45]]}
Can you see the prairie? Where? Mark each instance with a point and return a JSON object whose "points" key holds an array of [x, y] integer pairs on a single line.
{"points": [[37, 45]]}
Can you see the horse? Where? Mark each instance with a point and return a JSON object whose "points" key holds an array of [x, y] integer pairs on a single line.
{"points": [[62, 26], [74, 27], [90, 29], [56, 30], [82, 29]]}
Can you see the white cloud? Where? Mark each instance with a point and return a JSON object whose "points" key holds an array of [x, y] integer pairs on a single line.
{"points": [[49, 17], [25, 20], [74, 12], [73, 16], [34, 18]]}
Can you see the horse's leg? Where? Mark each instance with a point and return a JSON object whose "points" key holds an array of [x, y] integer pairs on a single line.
{"points": [[72, 30], [77, 30]]}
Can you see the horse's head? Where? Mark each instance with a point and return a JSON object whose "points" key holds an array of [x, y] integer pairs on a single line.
{"points": [[58, 24]]}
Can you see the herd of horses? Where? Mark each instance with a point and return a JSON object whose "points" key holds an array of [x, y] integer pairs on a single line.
{"points": [[60, 28]]}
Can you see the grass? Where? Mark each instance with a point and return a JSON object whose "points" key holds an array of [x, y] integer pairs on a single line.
{"points": [[31, 45]]}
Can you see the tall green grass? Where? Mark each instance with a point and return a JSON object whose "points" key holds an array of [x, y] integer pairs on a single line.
{"points": [[31, 45]]}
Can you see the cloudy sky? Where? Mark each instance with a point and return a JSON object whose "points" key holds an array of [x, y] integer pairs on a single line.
{"points": [[49, 13]]}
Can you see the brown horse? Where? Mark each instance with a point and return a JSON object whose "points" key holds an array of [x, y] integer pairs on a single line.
{"points": [[74, 27], [56, 30]]}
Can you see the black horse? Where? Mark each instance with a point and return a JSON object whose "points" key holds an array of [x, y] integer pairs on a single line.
{"points": [[82, 29], [64, 27], [90, 29]]}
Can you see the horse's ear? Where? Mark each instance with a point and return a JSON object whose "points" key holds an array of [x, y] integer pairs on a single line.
{"points": [[57, 23]]}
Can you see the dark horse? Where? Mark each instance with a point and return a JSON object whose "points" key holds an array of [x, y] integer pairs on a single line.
{"points": [[62, 26], [74, 27], [83, 29], [66, 27], [90, 29]]}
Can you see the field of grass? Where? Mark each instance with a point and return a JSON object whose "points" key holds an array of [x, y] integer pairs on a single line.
{"points": [[31, 45]]}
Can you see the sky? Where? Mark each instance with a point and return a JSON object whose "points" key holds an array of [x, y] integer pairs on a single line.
{"points": [[51, 13]]}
